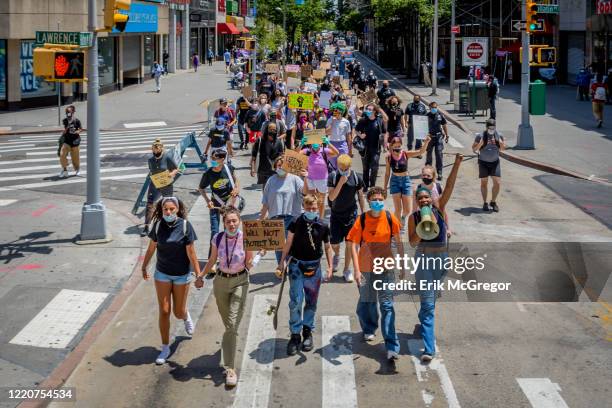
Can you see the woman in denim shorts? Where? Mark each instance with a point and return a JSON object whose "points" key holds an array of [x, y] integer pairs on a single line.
{"points": [[397, 173], [173, 237]]}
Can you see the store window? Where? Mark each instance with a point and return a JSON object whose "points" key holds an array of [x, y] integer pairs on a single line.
{"points": [[2, 70], [106, 60], [32, 86], [149, 51]]}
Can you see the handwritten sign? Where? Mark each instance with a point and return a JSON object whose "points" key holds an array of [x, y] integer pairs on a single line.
{"points": [[315, 136], [420, 126], [246, 91], [293, 82], [310, 87], [161, 179], [292, 68], [306, 71], [302, 101], [272, 68], [367, 97], [325, 65], [263, 234], [295, 162], [318, 74], [345, 84], [330, 50], [324, 98]]}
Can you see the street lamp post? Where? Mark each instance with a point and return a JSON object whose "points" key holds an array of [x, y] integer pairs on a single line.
{"points": [[453, 52], [525, 131], [434, 57]]}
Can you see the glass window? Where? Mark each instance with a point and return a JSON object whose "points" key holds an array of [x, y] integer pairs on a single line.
{"points": [[2, 70], [149, 51], [106, 60], [31, 86]]}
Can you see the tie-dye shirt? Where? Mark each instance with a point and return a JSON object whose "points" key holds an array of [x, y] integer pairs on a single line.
{"points": [[235, 245]]}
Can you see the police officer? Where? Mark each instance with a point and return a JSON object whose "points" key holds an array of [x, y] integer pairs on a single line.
{"points": [[439, 134], [384, 93], [417, 108]]}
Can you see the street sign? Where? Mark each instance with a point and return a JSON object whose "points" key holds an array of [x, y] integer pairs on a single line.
{"points": [[456, 29], [519, 25], [81, 39], [475, 51], [548, 8]]}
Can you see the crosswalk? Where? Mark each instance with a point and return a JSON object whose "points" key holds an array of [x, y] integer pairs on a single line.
{"points": [[31, 161]]}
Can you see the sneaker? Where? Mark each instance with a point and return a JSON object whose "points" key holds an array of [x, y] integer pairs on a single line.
{"points": [[231, 378], [348, 275], [145, 231], [600, 124], [368, 337], [63, 174], [307, 343], [188, 324], [165, 353], [426, 358], [335, 262], [77, 173], [392, 355], [439, 177], [294, 344], [485, 207], [494, 206]]}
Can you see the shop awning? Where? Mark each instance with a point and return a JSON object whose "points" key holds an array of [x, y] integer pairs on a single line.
{"points": [[245, 30], [227, 28]]}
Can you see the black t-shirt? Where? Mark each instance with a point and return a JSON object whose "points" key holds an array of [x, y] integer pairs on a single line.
{"points": [[395, 118], [219, 183], [255, 119], [172, 241], [384, 93], [373, 129], [219, 138], [302, 247], [243, 107], [268, 151], [345, 203], [71, 137], [436, 120], [165, 162]]}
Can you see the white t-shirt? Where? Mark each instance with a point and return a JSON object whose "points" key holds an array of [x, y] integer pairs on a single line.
{"points": [[340, 129]]}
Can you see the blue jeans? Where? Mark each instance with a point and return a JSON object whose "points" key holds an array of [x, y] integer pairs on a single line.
{"points": [[431, 270], [437, 145], [242, 133], [215, 217], [303, 288], [176, 280], [367, 310], [400, 185], [287, 220]]}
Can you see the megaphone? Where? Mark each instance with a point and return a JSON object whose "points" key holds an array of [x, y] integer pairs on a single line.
{"points": [[428, 228]]}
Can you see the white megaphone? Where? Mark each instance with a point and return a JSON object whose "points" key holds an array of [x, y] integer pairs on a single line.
{"points": [[428, 228]]}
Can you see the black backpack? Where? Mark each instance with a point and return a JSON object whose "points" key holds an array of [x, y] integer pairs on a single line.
{"points": [[485, 139], [362, 218]]}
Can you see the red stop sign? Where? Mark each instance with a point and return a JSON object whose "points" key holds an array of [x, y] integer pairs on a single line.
{"points": [[475, 51]]}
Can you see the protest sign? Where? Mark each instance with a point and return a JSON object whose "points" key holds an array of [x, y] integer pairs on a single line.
{"points": [[295, 162], [325, 65], [310, 87], [272, 68], [263, 234], [161, 179], [324, 98], [345, 84], [330, 50], [303, 101], [420, 126], [293, 82], [367, 97], [292, 68], [315, 136], [318, 74], [246, 91], [306, 71]]}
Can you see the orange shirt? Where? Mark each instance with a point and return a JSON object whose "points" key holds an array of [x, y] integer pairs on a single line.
{"points": [[375, 237]]}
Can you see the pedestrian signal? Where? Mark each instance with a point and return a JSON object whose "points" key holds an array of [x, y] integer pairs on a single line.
{"points": [[69, 65], [547, 55]]}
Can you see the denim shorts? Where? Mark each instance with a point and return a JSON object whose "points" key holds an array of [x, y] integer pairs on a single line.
{"points": [[400, 185], [177, 280]]}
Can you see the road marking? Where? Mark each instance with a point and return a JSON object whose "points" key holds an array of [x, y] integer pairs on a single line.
{"points": [[48, 159], [339, 387], [542, 393], [44, 175], [415, 346], [256, 374], [73, 180], [5, 128], [106, 145], [102, 149], [454, 142], [144, 124], [4, 203], [60, 320]]}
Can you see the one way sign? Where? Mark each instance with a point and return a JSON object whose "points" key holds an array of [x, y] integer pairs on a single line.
{"points": [[519, 25]]}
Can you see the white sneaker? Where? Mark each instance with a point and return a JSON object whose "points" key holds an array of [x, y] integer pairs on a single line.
{"points": [[392, 355], [368, 337], [188, 324], [165, 353], [77, 173], [348, 275], [426, 358], [256, 259], [63, 174], [335, 262]]}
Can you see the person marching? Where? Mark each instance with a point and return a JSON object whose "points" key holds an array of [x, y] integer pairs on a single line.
{"points": [[230, 286], [195, 60], [156, 72], [243, 105], [159, 162], [433, 252], [373, 130], [370, 238], [307, 237], [439, 134], [70, 142], [339, 131], [397, 172], [265, 150], [318, 158], [173, 238], [396, 123], [488, 145], [219, 138], [416, 108], [345, 189]]}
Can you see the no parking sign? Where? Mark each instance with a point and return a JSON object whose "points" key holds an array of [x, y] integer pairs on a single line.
{"points": [[475, 51]]}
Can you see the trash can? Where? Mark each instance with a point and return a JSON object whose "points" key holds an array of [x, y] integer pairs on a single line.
{"points": [[537, 98]]}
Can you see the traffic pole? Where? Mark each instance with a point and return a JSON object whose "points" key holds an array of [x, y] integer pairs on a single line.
{"points": [[453, 53], [93, 216], [524, 138], [434, 56]]}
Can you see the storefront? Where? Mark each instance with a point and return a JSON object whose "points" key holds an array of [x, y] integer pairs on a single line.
{"points": [[34, 90], [107, 63], [2, 73]]}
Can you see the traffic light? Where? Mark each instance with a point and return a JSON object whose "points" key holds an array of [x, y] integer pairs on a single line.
{"points": [[113, 18], [533, 22], [61, 65], [547, 55], [43, 60]]}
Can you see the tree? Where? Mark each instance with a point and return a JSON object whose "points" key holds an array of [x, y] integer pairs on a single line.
{"points": [[313, 15]]}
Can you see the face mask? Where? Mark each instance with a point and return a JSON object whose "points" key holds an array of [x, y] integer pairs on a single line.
{"points": [[230, 233], [434, 110], [416, 102], [214, 163], [220, 127], [158, 154], [377, 206], [69, 114], [427, 181], [281, 172], [369, 114], [311, 215], [170, 218], [344, 172], [315, 146], [397, 150], [491, 131], [302, 120], [272, 134]]}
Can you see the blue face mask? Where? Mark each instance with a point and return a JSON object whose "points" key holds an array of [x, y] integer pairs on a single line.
{"points": [[369, 114], [434, 110], [214, 163], [315, 146], [311, 215], [344, 172], [220, 127], [231, 234], [170, 218], [377, 206]]}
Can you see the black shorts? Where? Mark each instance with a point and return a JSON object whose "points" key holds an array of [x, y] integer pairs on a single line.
{"points": [[486, 169], [339, 226]]}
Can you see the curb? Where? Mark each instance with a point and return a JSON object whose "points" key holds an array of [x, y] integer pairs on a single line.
{"points": [[64, 370], [548, 168]]}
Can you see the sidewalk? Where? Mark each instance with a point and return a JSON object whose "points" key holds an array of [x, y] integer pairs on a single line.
{"points": [[566, 137], [137, 103]]}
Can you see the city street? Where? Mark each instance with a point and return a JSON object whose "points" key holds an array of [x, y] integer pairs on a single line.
{"points": [[491, 353]]}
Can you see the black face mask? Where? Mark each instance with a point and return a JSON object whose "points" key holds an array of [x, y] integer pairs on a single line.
{"points": [[427, 181], [158, 154]]}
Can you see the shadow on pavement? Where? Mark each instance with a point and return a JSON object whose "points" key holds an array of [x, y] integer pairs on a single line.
{"points": [[206, 367], [468, 211], [140, 356], [28, 243]]}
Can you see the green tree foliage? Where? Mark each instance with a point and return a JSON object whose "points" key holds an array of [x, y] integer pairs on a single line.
{"points": [[313, 15]]}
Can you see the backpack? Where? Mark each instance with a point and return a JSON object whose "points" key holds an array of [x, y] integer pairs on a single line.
{"points": [[362, 218], [600, 93], [336, 179], [485, 139]]}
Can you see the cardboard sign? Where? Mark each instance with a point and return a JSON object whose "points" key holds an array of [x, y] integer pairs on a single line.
{"points": [[325, 65], [293, 82], [263, 234], [161, 179], [306, 71], [315, 136], [330, 50], [311, 87], [345, 84], [246, 91], [318, 74], [292, 68], [420, 126], [302, 101], [324, 98], [272, 68], [295, 162], [367, 97]]}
